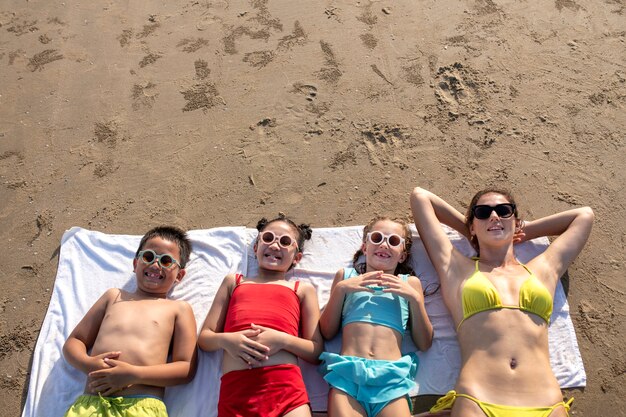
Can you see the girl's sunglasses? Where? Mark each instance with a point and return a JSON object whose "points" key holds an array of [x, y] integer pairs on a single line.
{"points": [[503, 211], [377, 238], [165, 261], [268, 237]]}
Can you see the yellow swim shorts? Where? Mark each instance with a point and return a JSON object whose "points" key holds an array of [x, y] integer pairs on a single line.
{"points": [[135, 406]]}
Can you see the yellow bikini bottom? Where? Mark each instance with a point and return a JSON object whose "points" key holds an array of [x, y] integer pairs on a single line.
{"points": [[496, 410]]}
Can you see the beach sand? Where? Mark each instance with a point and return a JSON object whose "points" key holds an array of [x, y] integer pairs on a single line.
{"points": [[119, 116]]}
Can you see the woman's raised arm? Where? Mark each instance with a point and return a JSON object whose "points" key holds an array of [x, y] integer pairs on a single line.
{"points": [[572, 227], [429, 211]]}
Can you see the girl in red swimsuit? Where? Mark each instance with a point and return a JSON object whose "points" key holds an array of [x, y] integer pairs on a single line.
{"points": [[264, 324]]}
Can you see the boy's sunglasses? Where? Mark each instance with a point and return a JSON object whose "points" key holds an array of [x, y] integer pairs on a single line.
{"points": [[165, 261], [377, 238], [503, 211], [268, 237]]}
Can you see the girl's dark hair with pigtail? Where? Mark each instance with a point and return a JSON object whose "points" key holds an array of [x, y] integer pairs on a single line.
{"points": [[304, 230], [403, 267]]}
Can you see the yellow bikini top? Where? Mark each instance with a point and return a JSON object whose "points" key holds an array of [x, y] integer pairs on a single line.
{"points": [[479, 294]]}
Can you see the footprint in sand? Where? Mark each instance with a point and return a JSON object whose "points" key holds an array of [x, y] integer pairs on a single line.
{"points": [[107, 133], [229, 41], [202, 69], [125, 37], [309, 91], [259, 59], [330, 72], [151, 58], [144, 95], [148, 30], [192, 45], [297, 37], [368, 17], [201, 96], [567, 4], [451, 86], [413, 74], [23, 27], [38, 61], [369, 40], [17, 340]]}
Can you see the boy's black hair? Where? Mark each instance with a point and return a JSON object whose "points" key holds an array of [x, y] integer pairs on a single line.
{"points": [[173, 234], [304, 230], [403, 267]]}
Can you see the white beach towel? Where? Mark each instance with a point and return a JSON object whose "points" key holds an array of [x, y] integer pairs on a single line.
{"points": [[91, 262]]}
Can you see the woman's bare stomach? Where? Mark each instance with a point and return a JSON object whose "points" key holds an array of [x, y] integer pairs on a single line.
{"points": [[505, 360]]}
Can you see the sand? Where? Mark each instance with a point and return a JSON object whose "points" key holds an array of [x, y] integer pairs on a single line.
{"points": [[118, 116]]}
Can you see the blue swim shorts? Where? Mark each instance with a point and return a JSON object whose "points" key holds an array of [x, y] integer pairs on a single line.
{"points": [[373, 383]]}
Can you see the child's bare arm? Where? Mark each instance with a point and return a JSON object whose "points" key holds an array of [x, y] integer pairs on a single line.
{"points": [[237, 344], [310, 345], [82, 338], [421, 327], [330, 320], [179, 370], [182, 367]]}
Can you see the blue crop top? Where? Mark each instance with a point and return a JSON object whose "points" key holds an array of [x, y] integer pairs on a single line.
{"points": [[385, 309]]}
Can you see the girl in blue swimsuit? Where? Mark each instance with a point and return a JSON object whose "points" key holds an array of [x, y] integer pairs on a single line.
{"points": [[373, 304]]}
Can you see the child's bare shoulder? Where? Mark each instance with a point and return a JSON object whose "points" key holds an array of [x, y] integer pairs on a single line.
{"points": [[180, 305], [230, 281], [414, 281], [231, 278], [306, 289], [112, 294]]}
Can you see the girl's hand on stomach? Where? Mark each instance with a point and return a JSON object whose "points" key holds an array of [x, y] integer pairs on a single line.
{"points": [[242, 345], [273, 339], [395, 285], [369, 281]]}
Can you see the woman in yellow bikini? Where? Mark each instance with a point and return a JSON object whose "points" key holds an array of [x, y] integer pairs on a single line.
{"points": [[500, 306]]}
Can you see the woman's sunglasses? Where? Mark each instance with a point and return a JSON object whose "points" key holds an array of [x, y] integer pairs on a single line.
{"points": [[165, 261], [503, 211], [377, 238], [284, 241]]}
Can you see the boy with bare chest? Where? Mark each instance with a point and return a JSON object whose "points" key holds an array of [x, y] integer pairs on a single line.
{"points": [[124, 340]]}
